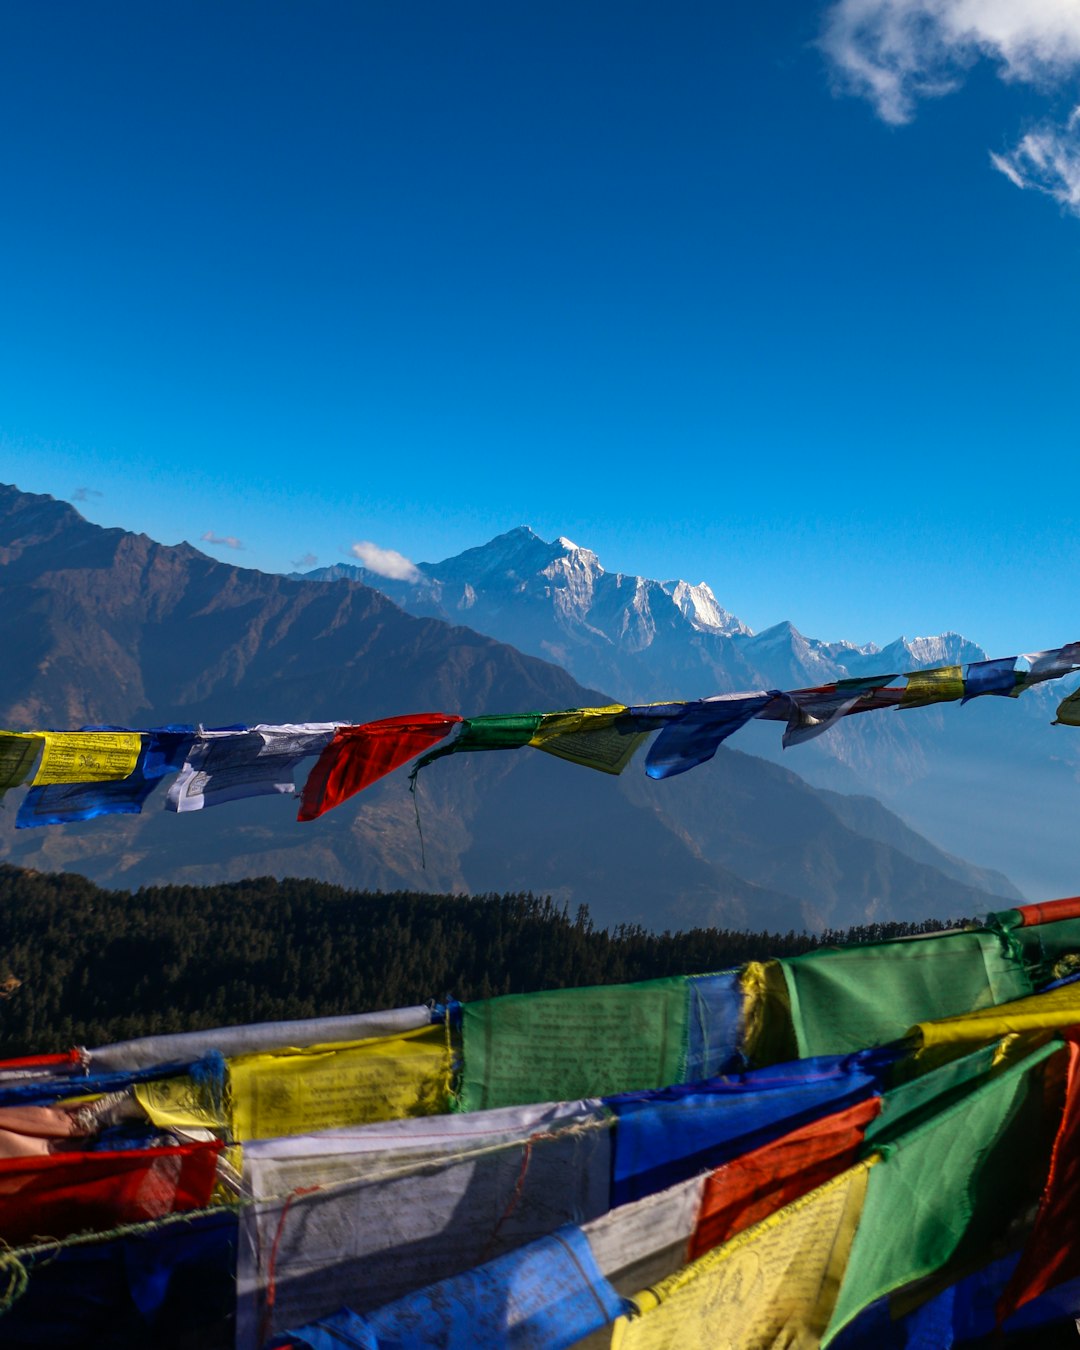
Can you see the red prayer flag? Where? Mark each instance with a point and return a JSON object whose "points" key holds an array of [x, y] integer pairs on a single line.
{"points": [[1052, 1254], [1050, 911], [359, 756], [762, 1181], [64, 1193]]}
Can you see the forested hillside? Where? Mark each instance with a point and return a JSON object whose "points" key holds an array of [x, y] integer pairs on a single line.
{"points": [[82, 965]]}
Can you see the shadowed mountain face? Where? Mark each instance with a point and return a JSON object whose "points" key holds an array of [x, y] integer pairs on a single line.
{"points": [[102, 626], [992, 780]]}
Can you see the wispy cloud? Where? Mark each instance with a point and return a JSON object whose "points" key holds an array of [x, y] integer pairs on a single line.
{"points": [[305, 560], [1048, 160], [85, 494], [221, 540], [384, 562], [895, 52]]}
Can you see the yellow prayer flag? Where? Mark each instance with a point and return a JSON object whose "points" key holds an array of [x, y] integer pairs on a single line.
{"points": [[326, 1086], [773, 1284], [933, 686], [1068, 713], [87, 756], [587, 736], [18, 750], [949, 1037]]}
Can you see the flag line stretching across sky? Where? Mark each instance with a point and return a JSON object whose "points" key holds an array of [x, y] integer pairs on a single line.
{"points": [[110, 770]]}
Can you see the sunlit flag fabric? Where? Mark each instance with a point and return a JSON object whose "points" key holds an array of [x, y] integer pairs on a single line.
{"points": [[164, 751], [957, 1179], [87, 756], [360, 755], [386, 1209], [836, 1000], [772, 1285], [993, 677], [762, 1180], [1038, 1016], [550, 1293], [224, 766]]}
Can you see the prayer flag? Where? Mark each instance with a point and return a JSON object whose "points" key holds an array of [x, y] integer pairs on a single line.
{"points": [[1068, 711], [361, 755], [932, 686], [87, 756], [550, 1293], [639, 1244], [591, 737], [18, 750], [812, 713], [695, 737], [1040, 1015], [224, 766], [1052, 664], [992, 677], [566, 1043]]}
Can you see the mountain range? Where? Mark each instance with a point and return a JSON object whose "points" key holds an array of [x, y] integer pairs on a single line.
{"points": [[992, 780], [102, 626]]}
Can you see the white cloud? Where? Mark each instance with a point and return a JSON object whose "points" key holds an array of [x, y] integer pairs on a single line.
{"points": [[1048, 160], [894, 52], [221, 540], [384, 562]]}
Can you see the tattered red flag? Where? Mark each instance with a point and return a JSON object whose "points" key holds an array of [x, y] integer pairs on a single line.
{"points": [[361, 755]]}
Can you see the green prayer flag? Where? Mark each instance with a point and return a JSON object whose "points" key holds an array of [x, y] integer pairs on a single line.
{"points": [[907, 1105], [1068, 712], [568, 1043], [846, 998], [499, 732], [948, 1189]]}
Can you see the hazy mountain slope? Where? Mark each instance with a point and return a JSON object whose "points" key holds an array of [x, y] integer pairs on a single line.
{"points": [[105, 626]]}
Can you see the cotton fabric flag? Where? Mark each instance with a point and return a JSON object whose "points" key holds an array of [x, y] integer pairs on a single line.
{"points": [[933, 686], [224, 766], [564, 1043], [1041, 1015], [1068, 711], [759, 1182], [773, 1285], [637, 1245], [714, 1033], [949, 1188], [507, 731], [1052, 664], [696, 735], [550, 1293], [382, 1210], [992, 677], [842, 999], [326, 1086], [815, 712], [665, 1136], [360, 755], [56, 1194], [595, 738], [86, 756], [163, 752]]}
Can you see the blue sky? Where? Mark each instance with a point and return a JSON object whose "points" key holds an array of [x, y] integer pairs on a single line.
{"points": [[684, 283]]}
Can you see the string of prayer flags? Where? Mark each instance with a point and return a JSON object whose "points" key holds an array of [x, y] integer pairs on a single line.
{"points": [[773, 1284], [380, 1211], [360, 755], [550, 1293], [164, 750], [565, 1043], [226, 765]]}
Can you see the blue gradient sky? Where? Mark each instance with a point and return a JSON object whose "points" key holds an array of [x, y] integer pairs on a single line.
{"points": [[417, 273]]}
